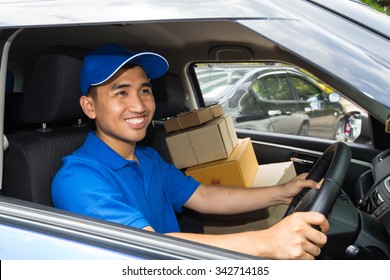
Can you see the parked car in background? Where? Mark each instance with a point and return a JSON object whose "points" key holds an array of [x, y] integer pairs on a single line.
{"points": [[342, 43], [273, 98]]}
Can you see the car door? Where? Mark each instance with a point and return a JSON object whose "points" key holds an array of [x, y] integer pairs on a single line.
{"points": [[30, 231], [248, 111], [323, 115], [275, 95]]}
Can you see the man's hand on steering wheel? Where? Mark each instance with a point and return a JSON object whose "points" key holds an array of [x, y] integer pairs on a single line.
{"points": [[295, 238], [293, 187], [331, 167]]}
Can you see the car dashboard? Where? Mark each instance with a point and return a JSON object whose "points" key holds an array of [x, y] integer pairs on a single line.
{"points": [[376, 201], [362, 231]]}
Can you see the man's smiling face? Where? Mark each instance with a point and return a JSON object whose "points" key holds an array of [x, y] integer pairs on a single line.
{"points": [[124, 107]]}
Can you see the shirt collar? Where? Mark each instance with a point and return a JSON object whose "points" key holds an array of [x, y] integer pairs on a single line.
{"points": [[103, 153]]}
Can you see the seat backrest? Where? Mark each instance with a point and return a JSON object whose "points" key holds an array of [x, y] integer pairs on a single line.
{"points": [[12, 119], [51, 98], [169, 96]]}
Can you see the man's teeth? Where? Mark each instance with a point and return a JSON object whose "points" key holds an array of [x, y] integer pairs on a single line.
{"points": [[135, 120]]}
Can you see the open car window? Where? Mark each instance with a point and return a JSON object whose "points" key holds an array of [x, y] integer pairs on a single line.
{"points": [[278, 97]]}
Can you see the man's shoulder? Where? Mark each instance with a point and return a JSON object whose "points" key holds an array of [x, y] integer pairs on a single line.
{"points": [[79, 160]]}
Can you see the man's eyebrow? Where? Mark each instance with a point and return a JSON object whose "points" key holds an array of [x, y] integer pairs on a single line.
{"points": [[147, 84], [119, 86]]}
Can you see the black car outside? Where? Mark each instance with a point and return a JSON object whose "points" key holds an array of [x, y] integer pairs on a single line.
{"points": [[279, 99]]}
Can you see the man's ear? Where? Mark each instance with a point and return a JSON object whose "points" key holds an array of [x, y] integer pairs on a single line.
{"points": [[88, 106]]}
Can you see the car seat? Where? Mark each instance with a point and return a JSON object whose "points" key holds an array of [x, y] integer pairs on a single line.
{"points": [[12, 120], [51, 100]]}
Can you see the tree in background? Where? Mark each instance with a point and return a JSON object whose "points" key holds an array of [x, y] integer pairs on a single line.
{"points": [[385, 4], [380, 5]]}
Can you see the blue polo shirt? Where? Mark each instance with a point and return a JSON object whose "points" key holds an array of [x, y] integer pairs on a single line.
{"points": [[98, 182]]}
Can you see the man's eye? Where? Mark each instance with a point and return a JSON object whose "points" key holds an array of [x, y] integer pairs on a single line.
{"points": [[146, 91], [121, 93]]}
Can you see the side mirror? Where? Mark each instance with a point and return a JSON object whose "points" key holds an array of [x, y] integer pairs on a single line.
{"points": [[351, 125], [334, 97]]}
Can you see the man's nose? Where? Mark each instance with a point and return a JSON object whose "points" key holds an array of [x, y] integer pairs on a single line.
{"points": [[136, 103]]}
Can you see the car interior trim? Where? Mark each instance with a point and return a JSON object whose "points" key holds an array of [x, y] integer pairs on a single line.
{"points": [[355, 161]]}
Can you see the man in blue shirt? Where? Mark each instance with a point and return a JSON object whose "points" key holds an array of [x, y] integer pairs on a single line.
{"points": [[111, 178]]}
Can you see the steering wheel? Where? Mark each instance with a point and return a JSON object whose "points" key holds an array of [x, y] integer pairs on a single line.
{"points": [[332, 166]]}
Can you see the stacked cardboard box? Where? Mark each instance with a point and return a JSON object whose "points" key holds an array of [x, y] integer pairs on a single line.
{"points": [[193, 118], [239, 169], [200, 136], [211, 141], [205, 142]]}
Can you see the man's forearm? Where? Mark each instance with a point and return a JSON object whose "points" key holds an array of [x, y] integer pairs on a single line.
{"points": [[233, 200], [238, 242]]}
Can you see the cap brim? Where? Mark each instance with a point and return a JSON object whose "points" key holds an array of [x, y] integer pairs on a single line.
{"points": [[153, 64]]}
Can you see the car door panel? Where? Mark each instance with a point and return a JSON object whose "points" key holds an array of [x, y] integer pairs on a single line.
{"points": [[324, 117], [280, 98], [314, 101], [290, 118], [251, 114]]}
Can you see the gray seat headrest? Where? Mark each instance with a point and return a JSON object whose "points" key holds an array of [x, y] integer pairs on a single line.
{"points": [[53, 91], [169, 96]]}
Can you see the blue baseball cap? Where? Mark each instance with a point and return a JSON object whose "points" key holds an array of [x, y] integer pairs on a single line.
{"points": [[102, 63]]}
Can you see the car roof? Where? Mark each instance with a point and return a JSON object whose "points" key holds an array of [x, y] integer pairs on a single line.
{"points": [[45, 13], [89, 11], [317, 30]]}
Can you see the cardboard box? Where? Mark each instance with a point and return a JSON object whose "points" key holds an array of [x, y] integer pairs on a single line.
{"points": [[231, 129], [193, 118], [211, 141], [181, 151], [216, 110], [266, 175], [172, 124], [274, 174], [239, 169]]}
